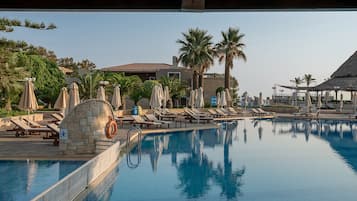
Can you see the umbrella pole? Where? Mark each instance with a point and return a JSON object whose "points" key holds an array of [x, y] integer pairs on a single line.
{"points": [[28, 116]]}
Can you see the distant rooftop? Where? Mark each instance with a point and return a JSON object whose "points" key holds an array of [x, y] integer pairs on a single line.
{"points": [[140, 67]]}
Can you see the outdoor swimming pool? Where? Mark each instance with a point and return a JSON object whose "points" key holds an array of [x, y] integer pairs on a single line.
{"points": [[23, 180], [275, 160]]}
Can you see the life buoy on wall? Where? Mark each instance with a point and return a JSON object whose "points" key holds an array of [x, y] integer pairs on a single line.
{"points": [[111, 128]]}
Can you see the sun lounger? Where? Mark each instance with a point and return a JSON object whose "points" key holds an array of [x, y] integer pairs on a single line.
{"points": [[195, 110], [163, 116], [214, 113], [22, 128], [199, 114], [139, 120], [264, 112], [33, 124], [54, 135], [230, 113], [152, 118], [256, 112], [190, 115], [233, 111], [224, 112], [57, 117]]}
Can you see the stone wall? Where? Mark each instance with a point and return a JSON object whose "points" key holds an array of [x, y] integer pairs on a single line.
{"points": [[83, 126], [210, 86]]}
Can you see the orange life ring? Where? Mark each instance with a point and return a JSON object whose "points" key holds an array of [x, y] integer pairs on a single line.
{"points": [[111, 129]]}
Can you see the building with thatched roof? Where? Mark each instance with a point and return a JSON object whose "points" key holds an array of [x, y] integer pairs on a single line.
{"points": [[343, 79]]}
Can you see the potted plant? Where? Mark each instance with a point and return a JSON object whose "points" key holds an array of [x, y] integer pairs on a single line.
{"points": [[136, 96]]}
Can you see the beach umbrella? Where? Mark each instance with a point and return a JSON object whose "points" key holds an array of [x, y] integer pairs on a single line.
{"points": [[28, 98], [156, 153], [223, 99], [319, 103], [62, 100], [116, 99], [260, 132], [196, 97], [166, 96], [354, 101], [73, 97], [341, 102], [260, 101], [161, 93], [327, 95], [31, 174], [246, 101], [218, 99], [101, 93], [199, 98], [308, 102], [293, 99], [191, 99], [228, 97], [156, 97]]}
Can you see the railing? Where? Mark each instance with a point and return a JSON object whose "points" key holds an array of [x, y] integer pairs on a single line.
{"points": [[128, 155]]}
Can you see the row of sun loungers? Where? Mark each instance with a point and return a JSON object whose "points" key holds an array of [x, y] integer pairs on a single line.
{"points": [[159, 118], [29, 127]]}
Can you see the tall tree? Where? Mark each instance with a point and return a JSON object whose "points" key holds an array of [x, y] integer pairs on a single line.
{"points": [[230, 48], [196, 52], [308, 79], [10, 75], [7, 25], [297, 81]]}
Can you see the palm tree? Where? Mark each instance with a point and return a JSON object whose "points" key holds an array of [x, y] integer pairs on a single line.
{"points": [[177, 88], [308, 79], [228, 179], [127, 84], [196, 52], [89, 83], [228, 49], [297, 81]]}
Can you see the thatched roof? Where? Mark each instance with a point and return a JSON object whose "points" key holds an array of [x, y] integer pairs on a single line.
{"points": [[344, 78], [348, 68], [338, 83]]}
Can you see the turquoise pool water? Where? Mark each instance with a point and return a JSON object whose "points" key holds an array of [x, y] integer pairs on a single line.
{"points": [[275, 160], [23, 180]]}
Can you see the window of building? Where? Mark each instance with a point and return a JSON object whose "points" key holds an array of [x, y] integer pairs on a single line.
{"points": [[152, 78], [174, 75]]}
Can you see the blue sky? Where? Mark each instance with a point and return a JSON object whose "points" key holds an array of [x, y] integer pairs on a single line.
{"points": [[279, 45]]}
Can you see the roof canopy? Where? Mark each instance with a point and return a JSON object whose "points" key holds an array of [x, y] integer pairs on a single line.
{"points": [[344, 78]]}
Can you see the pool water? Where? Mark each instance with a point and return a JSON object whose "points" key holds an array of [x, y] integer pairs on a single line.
{"points": [[23, 180], [276, 160]]}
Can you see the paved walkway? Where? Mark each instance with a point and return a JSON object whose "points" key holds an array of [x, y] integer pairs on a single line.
{"points": [[34, 147]]}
